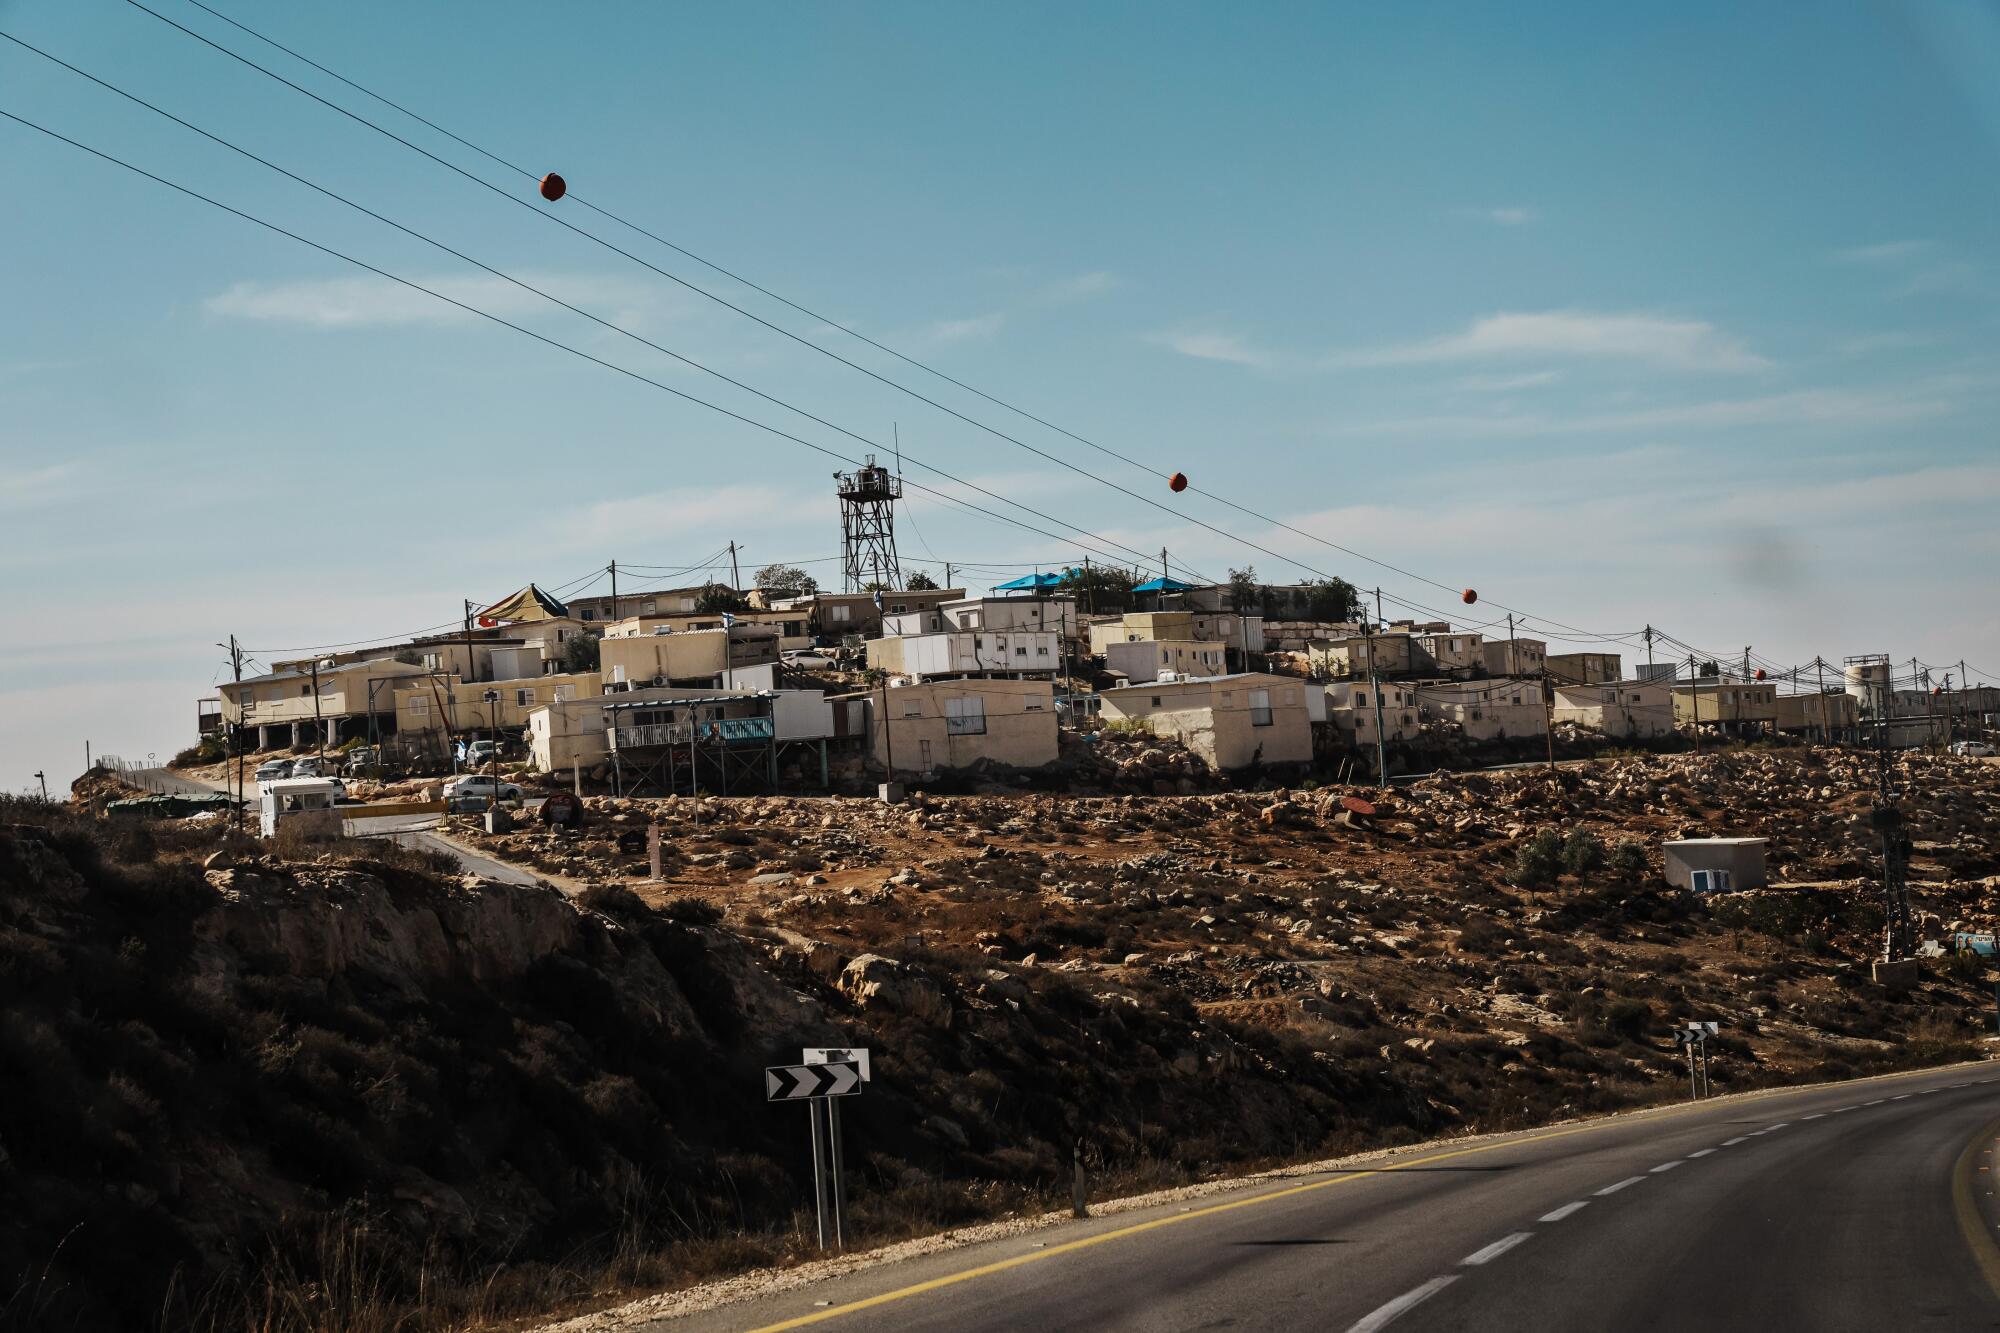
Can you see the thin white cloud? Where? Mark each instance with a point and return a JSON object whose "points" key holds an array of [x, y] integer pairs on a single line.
{"points": [[1079, 287], [1829, 408], [31, 488], [370, 302], [1677, 344], [1938, 279], [1886, 252], [964, 330], [1508, 383], [1213, 346], [1511, 217]]}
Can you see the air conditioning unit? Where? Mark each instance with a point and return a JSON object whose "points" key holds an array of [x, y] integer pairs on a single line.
{"points": [[1166, 677]]}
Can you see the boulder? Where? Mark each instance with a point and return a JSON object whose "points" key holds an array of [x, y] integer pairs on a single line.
{"points": [[872, 981]]}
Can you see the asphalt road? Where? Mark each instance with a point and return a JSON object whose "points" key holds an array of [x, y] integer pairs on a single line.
{"points": [[1829, 1208]]}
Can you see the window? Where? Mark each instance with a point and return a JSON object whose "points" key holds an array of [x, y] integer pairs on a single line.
{"points": [[647, 608], [589, 614], [1156, 701], [1361, 698], [1710, 881], [839, 614], [524, 698], [1041, 652], [563, 692], [965, 717], [1022, 650], [1260, 708], [1517, 699], [978, 642], [420, 705]]}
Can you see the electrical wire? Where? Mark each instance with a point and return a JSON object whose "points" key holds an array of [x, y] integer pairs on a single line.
{"points": [[610, 325], [1586, 635]]}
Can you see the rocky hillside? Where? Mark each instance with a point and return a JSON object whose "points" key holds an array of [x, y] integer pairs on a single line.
{"points": [[249, 1092]]}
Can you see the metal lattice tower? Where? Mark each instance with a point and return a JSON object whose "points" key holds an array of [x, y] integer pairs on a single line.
{"points": [[868, 498]]}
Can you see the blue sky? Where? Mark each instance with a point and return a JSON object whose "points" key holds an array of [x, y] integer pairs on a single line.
{"points": [[1679, 316]]}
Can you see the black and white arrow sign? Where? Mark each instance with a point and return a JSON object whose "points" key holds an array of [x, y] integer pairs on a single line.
{"points": [[793, 1083]]}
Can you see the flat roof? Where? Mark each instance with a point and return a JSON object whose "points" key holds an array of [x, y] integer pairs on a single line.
{"points": [[1716, 842], [1206, 680], [616, 705]]}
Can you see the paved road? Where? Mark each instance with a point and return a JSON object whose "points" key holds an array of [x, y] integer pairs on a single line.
{"points": [[410, 830], [1829, 1208]]}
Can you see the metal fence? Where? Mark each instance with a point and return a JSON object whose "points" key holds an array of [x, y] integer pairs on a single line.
{"points": [[144, 773]]}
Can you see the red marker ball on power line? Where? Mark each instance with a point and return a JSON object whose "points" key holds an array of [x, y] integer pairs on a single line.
{"points": [[1177, 482], [1760, 673], [1469, 596], [554, 187]]}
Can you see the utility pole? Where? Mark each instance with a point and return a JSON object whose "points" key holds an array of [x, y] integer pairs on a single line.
{"points": [[1378, 606], [614, 590], [1375, 687], [1163, 579], [1512, 666], [1548, 716], [888, 736], [1649, 650], [319, 726], [44, 780], [236, 736], [1819, 674], [735, 574], [947, 573], [1694, 692]]}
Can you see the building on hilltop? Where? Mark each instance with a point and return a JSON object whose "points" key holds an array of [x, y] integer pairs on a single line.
{"points": [[1231, 722]]}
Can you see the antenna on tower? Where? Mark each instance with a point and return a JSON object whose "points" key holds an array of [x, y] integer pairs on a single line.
{"points": [[868, 498]]}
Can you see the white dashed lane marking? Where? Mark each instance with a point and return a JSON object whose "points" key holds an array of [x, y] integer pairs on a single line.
{"points": [[1613, 1189], [1403, 1304], [1665, 1166], [1565, 1211], [1703, 1153], [1495, 1250], [1731, 1143]]}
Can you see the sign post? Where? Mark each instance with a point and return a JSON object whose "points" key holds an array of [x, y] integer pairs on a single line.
{"points": [[1695, 1037], [815, 1082], [826, 1055]]}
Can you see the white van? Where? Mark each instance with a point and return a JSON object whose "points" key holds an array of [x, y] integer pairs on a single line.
{"points": [[294, 796]]}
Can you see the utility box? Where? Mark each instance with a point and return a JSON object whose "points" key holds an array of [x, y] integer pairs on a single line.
{"points": [[1716, 865], [890, 793], [499, 820]]}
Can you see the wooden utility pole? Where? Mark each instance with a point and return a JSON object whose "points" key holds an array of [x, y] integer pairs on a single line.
{"points": [[319, 726], [236, 736], [1548, 716], [735, 574], [888, 736], [614, 590], [1694, 692]]}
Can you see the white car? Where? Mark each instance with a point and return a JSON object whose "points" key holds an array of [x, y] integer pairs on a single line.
{"points": [[472, 793], [1972, 749], [807, 659]]}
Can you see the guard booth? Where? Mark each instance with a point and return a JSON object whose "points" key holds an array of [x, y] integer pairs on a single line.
{"points": [[288, 798], [1716, 865]]}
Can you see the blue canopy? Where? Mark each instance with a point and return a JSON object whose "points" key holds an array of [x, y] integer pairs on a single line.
{"points": [[1030, 583], [1163, 585]]}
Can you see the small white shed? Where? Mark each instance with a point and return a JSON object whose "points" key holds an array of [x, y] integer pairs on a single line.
{"points": [[1716, 865], [294, 796]]}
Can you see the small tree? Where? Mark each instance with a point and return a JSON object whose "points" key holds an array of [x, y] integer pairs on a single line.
{"points": [[1628, 860], [580, 652], [1582, 852], [720, 597], [920, 582], [785, 580], [1332, 601], [1100, 587], [1539, 861], [1244, 594]]}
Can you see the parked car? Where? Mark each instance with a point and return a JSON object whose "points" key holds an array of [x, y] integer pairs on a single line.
{"points": [[309, 767], [807, 659], [480, 753], [360, 757], [470, 794], [1972, 749], [274, 770]]}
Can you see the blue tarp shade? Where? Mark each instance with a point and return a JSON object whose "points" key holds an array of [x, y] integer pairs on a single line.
{"points": [[1030, 583], [1163, 585]]}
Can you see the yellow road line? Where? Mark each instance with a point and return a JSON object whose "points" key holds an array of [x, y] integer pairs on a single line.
{"points": [[1070, 1247], [1984, 1252]]}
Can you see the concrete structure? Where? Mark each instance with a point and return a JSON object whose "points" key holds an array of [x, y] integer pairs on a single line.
{"points": [[1485, 710], [1056, 614], [1736, 706], [695, 656], [1716, 865], [968, 653], [1621, 709], [1145, 660], [1584, 668], [951, 724], [1351, 706], [577, 732], [1230, 721], [1834, 715], [794, 629], [333, 702], [1292, 636], [833, 614], [1237, 633], [1450, 653], [435, 703], [1392, 653], [1514, 657], [602, 607]]}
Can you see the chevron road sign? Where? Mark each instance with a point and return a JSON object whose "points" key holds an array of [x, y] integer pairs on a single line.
{"points": [[797, 1083]]}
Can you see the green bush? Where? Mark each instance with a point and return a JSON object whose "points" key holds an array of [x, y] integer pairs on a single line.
{"points": [[1538, 861], [1628, 860], [208, 751], [1582, 852]]}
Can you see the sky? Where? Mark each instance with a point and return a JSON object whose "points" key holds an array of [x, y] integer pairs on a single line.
{"points": [[1624, 316]]}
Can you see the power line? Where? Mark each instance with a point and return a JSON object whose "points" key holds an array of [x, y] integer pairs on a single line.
{"points": [[722, 301], [826, 320], [547, 296], [530, 333]]}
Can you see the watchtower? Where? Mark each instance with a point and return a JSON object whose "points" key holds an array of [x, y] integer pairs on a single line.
{"points": [[868, 498]]}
